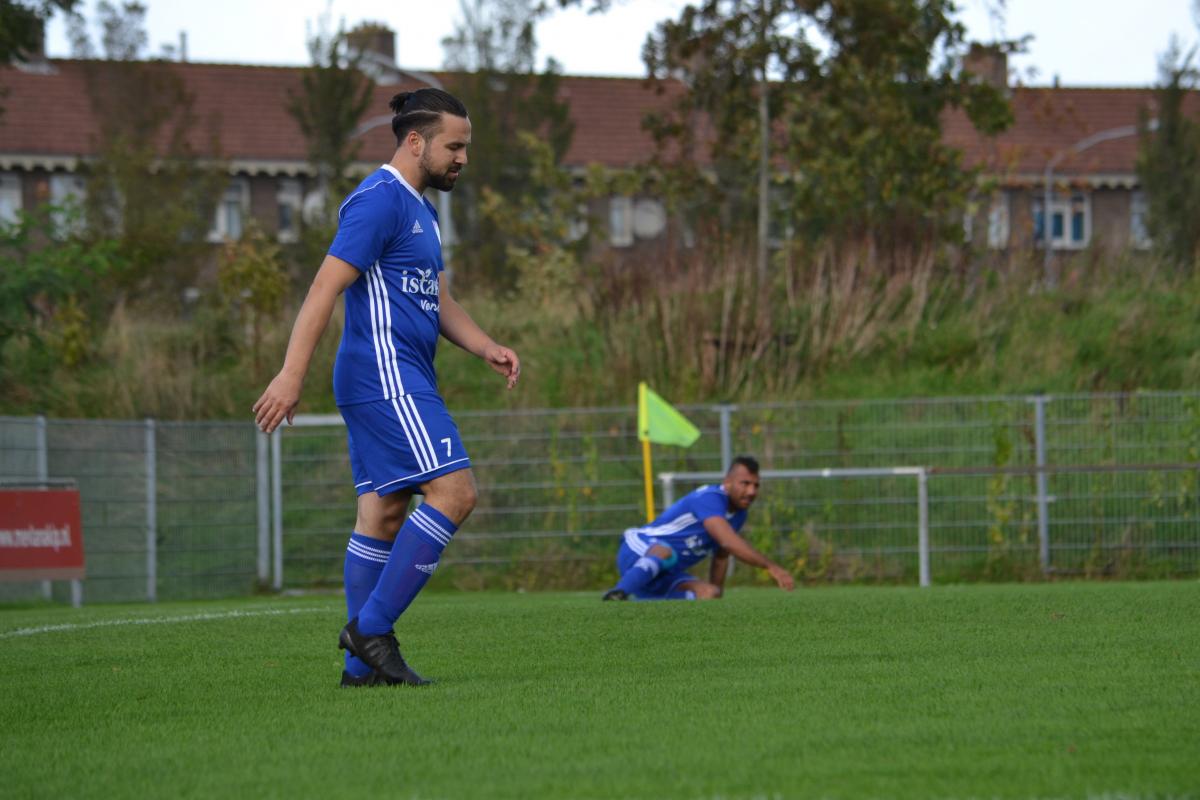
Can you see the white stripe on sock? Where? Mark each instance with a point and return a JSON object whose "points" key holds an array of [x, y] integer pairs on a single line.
{"points": [[424, 524], [364, 553]]}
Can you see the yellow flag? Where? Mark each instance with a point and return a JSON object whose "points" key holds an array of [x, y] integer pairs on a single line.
{"points": [[659, 422]]}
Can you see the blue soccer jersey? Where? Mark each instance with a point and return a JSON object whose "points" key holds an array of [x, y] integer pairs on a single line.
{"points": [[682, 526], [389, 232]]}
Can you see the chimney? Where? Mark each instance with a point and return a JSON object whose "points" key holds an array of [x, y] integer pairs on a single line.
{"points": [[989, 63], [374, 38]]}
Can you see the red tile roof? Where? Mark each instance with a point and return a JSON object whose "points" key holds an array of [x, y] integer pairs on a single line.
{"points": [[1049, 121], [50, 115]]}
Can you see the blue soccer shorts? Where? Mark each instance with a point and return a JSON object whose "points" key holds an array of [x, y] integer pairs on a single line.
{"points": [[664, 583], [401, 443]]}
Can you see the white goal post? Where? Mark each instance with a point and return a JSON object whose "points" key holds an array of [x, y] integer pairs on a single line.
{"points": [[669, 479]]}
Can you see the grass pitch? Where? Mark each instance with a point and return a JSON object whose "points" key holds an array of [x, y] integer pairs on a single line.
{"points": [[1009, 691]]}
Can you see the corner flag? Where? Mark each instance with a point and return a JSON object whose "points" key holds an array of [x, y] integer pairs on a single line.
{"points": [[659, 422]]}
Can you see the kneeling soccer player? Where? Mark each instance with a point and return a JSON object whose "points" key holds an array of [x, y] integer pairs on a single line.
{"points": [[653, 560]]}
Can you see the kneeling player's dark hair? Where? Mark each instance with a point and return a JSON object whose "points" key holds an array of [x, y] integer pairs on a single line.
{"points": [[421, 111], [749, 462]]}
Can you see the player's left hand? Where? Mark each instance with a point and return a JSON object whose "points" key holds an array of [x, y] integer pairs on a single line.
{"points": [[505, 361], [782, 577]]}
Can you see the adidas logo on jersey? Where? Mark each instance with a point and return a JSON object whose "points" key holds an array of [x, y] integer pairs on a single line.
{"points": [[427, 568], [417, 227]]}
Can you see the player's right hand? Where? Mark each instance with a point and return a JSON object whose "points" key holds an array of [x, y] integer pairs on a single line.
{"points": [[277, 403], [782, 577]]}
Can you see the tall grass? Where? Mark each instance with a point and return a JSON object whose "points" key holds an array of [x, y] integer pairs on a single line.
{"points": [[831, 320]]}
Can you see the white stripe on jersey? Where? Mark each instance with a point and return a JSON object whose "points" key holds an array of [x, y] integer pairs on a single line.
{"points": [[373, 305], [438, 230], [418, 451], [379, 182], [420, 423], [391, 360], [635, 542], [674, 526]]}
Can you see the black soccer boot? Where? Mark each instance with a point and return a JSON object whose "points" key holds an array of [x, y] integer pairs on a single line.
{"points": [[615, 594], [381, 653], [350, 681]]}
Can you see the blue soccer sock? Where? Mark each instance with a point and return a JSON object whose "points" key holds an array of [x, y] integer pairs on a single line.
{"points": [[365, 559], [637, 577], [419, 545]]}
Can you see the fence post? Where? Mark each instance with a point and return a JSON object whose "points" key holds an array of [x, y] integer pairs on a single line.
{"points": [[1043, 495], [151, 512], [263, 470], [726, 436], [923, 527], [277, 507], [43, 475], [668, 482]]}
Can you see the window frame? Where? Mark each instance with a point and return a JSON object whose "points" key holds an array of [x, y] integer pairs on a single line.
{"points": [[1063, 205], [237, 191], [12, 200]]}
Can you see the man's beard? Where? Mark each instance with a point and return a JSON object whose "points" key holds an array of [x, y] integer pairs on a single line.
{"points": [[444, 181]]}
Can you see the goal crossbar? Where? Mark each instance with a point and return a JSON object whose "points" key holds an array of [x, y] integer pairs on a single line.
{"points": [[669, 479]]}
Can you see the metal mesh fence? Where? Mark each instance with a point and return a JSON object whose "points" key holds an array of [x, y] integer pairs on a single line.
{"points": [[182, 511], [168, 509]]}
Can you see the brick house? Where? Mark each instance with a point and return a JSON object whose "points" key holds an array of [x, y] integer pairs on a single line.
{"points": [[47, 128]]}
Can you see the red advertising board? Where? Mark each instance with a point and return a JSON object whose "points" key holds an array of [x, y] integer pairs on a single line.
{"points": [[40, 535]]}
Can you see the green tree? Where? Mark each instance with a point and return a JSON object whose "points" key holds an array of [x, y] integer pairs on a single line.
{"points": [[49, 279], [148, 185], [854, 124], [22, 25], [1168, 163], [334, 95], [494, 50], [251, 283]]}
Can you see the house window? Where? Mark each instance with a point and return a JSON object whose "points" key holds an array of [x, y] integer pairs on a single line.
{"points": [[230, 215], [67, 193], [289, 199], [1139, 234], [1070, 221], [10, 198], [577, 225], [997, 232], [620, 221]]}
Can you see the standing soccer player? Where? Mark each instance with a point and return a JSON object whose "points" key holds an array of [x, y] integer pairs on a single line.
{"points": [[653, 561], [387, 259]]}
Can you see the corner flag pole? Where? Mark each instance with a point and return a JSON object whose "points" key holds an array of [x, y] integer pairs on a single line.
{"points": [[649, 481], [658, 421]]}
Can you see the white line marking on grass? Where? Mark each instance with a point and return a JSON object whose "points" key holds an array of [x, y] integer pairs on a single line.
{"points": [[269, 612]]}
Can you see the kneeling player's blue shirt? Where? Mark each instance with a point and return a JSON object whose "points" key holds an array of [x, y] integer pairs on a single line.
{"points": [[389, 232], [682, 526]]}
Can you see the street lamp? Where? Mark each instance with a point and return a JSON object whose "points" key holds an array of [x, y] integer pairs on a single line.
{"points": [[1048, 178]]}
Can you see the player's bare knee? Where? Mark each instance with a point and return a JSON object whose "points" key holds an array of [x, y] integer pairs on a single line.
{"points": [[454, 495], [659, 551], [708, 591]]}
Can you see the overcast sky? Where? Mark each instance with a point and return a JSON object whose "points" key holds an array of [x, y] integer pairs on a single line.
{"points": [[1081, 42]]}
